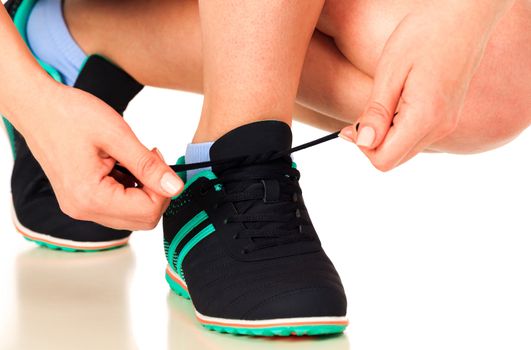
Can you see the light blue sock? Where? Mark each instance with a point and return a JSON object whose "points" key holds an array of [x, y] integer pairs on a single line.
{"points": [[196, 153], [50, 40]]}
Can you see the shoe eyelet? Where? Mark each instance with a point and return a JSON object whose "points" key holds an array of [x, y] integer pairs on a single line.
{"points": [[225, 221], [295, 198], [298, 213], [235, 236]]}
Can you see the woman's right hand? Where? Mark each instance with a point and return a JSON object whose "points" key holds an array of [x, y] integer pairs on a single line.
{"points": [[78, 139]]}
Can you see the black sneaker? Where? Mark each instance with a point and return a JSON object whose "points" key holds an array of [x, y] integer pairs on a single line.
{"points": [[36, 212], [240, 243]]}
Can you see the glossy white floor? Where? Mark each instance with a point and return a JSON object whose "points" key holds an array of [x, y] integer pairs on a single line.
{"points": [[434, 255]]}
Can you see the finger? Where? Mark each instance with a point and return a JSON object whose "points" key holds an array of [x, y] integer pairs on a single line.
{"points": [[146, 166], [375, 121], [114, 204], [163, 202], [133, 208], [405, 134]]}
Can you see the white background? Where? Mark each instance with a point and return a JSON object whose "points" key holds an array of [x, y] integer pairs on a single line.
{"points": [[433, 255]]}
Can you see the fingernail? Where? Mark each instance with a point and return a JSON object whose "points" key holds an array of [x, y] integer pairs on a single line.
{"points": [[365, 137], [170, 184], [158, 152], [347, 134]]}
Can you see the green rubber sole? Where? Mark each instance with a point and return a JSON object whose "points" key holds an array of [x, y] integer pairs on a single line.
{"points": [[282, 331], [298, 331], [69, 249], [176, 287]]}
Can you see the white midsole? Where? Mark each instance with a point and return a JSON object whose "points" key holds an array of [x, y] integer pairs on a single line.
{"points": [[275, 322], [176, 277], [62, 242], [342, 320]]}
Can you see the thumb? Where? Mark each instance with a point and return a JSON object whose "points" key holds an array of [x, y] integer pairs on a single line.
{"points": [[377, 117], [148, 167]]}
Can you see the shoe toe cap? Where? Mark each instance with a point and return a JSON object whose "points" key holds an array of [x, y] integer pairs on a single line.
{"points": [[304, 302]]}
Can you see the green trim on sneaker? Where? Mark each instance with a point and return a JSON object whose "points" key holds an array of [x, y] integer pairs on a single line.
{"points": [[185, 230], [180, 291], [190, 245], [67, 249], [279, 331]]}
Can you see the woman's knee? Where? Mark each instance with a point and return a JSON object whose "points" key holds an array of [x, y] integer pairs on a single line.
{"points": [[498, 107], [483, 131]]}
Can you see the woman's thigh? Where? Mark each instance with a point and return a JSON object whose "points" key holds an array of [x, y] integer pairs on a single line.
{"points": [[498, 106]]}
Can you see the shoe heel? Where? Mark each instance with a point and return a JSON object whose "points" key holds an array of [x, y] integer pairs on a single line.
{"points": [[177, 288]]}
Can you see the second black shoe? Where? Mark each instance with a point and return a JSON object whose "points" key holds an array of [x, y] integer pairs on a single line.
{"points": [[240, 243], [36, 212]]}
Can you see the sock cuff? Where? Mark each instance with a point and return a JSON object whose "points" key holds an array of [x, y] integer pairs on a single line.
{"points": [[60, 33], [198, 152], [50, 40]]}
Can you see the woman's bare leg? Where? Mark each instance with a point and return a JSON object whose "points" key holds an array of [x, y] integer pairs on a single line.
{"points": [[253, 53], [329, 85], [498, 107]]}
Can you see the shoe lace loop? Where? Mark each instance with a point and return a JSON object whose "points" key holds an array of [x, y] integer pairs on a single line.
{"points": [[266, 197], [264, 190], [266, 200]]}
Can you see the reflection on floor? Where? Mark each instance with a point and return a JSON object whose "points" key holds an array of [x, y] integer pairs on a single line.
{"points": [[86, 301], [59, 294]]}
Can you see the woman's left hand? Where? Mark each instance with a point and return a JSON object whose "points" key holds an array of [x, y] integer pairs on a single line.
{"points": [[422, 78]]}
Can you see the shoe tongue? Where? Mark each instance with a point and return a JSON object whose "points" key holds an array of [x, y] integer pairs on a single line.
{"points": [[251, 139]]}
